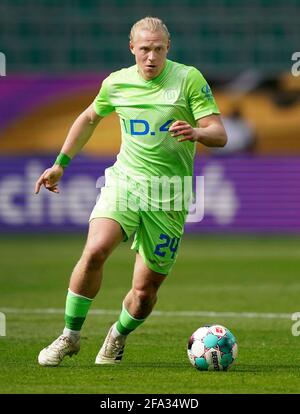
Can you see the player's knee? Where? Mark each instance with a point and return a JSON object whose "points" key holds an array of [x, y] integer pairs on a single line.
{"points": [[95, 257], [145, 296]]}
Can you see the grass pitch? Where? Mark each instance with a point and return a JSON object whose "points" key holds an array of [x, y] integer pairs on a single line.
{"points": [[256, 276]]}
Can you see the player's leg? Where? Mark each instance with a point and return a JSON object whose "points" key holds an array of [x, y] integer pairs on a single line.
{"points": [[140, 300], [156, 241], [137, 305], [104, 235]]}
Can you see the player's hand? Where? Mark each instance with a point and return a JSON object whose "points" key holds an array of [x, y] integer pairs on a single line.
{"points": [[49, 179], [183, 128]]}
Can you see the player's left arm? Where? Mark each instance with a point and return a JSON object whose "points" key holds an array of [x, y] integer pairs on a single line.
{"points": [[209, 131]]}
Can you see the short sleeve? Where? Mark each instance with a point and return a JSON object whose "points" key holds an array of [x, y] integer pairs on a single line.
{"points": [[102, 104], [199, 94]]}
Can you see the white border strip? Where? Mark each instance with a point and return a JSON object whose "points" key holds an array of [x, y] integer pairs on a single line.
{"points": [[59, 311]]}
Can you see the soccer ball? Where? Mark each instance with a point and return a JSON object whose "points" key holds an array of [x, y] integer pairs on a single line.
{"points": [[212, 348]]}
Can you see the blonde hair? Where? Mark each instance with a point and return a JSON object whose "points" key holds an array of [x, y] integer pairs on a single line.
{"points": [[149, 23]]}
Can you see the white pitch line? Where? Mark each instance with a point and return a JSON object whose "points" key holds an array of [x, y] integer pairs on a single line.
{"points": [[59, 311]]}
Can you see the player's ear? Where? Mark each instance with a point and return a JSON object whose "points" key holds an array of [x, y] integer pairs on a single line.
{"points": [[168, 45], [131, 47]]}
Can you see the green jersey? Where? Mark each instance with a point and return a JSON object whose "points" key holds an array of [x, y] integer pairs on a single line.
{"points": [[147, 108]]}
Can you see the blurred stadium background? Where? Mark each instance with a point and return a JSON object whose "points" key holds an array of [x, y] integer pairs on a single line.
{"points": [[57, 54]]}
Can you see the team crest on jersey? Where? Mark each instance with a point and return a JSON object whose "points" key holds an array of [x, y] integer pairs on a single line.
{"points": [[170, 95]]}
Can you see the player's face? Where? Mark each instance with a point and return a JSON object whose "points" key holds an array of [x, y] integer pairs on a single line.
{"points": [[150, 50]]}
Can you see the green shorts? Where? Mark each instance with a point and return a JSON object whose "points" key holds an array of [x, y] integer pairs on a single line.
{"points": [[157, 233]]}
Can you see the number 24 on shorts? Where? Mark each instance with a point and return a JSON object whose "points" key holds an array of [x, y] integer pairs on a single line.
{"points": [[171, 243]]}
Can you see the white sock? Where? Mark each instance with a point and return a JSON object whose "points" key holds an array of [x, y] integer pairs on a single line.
{"points": [[74, 335], [115, 331]]}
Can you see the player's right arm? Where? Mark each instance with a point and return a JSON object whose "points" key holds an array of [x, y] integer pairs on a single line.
{"points": [[79, 134]]}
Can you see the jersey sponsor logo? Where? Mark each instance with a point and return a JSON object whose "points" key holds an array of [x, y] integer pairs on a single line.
{"points": [[142, 127], [139, 127], [206, 91]]}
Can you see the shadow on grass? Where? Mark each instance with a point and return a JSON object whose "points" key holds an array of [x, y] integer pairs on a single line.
{"points": [[274, 368], [238, 368]]}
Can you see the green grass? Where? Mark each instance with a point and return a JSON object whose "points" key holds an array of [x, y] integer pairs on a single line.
{"points": [[229, 274]]}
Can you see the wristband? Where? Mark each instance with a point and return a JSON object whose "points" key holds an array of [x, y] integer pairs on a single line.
{"points": [[63, 160]]}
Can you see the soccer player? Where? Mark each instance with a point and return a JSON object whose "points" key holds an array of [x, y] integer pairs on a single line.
{"points": [[165, 109]]}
